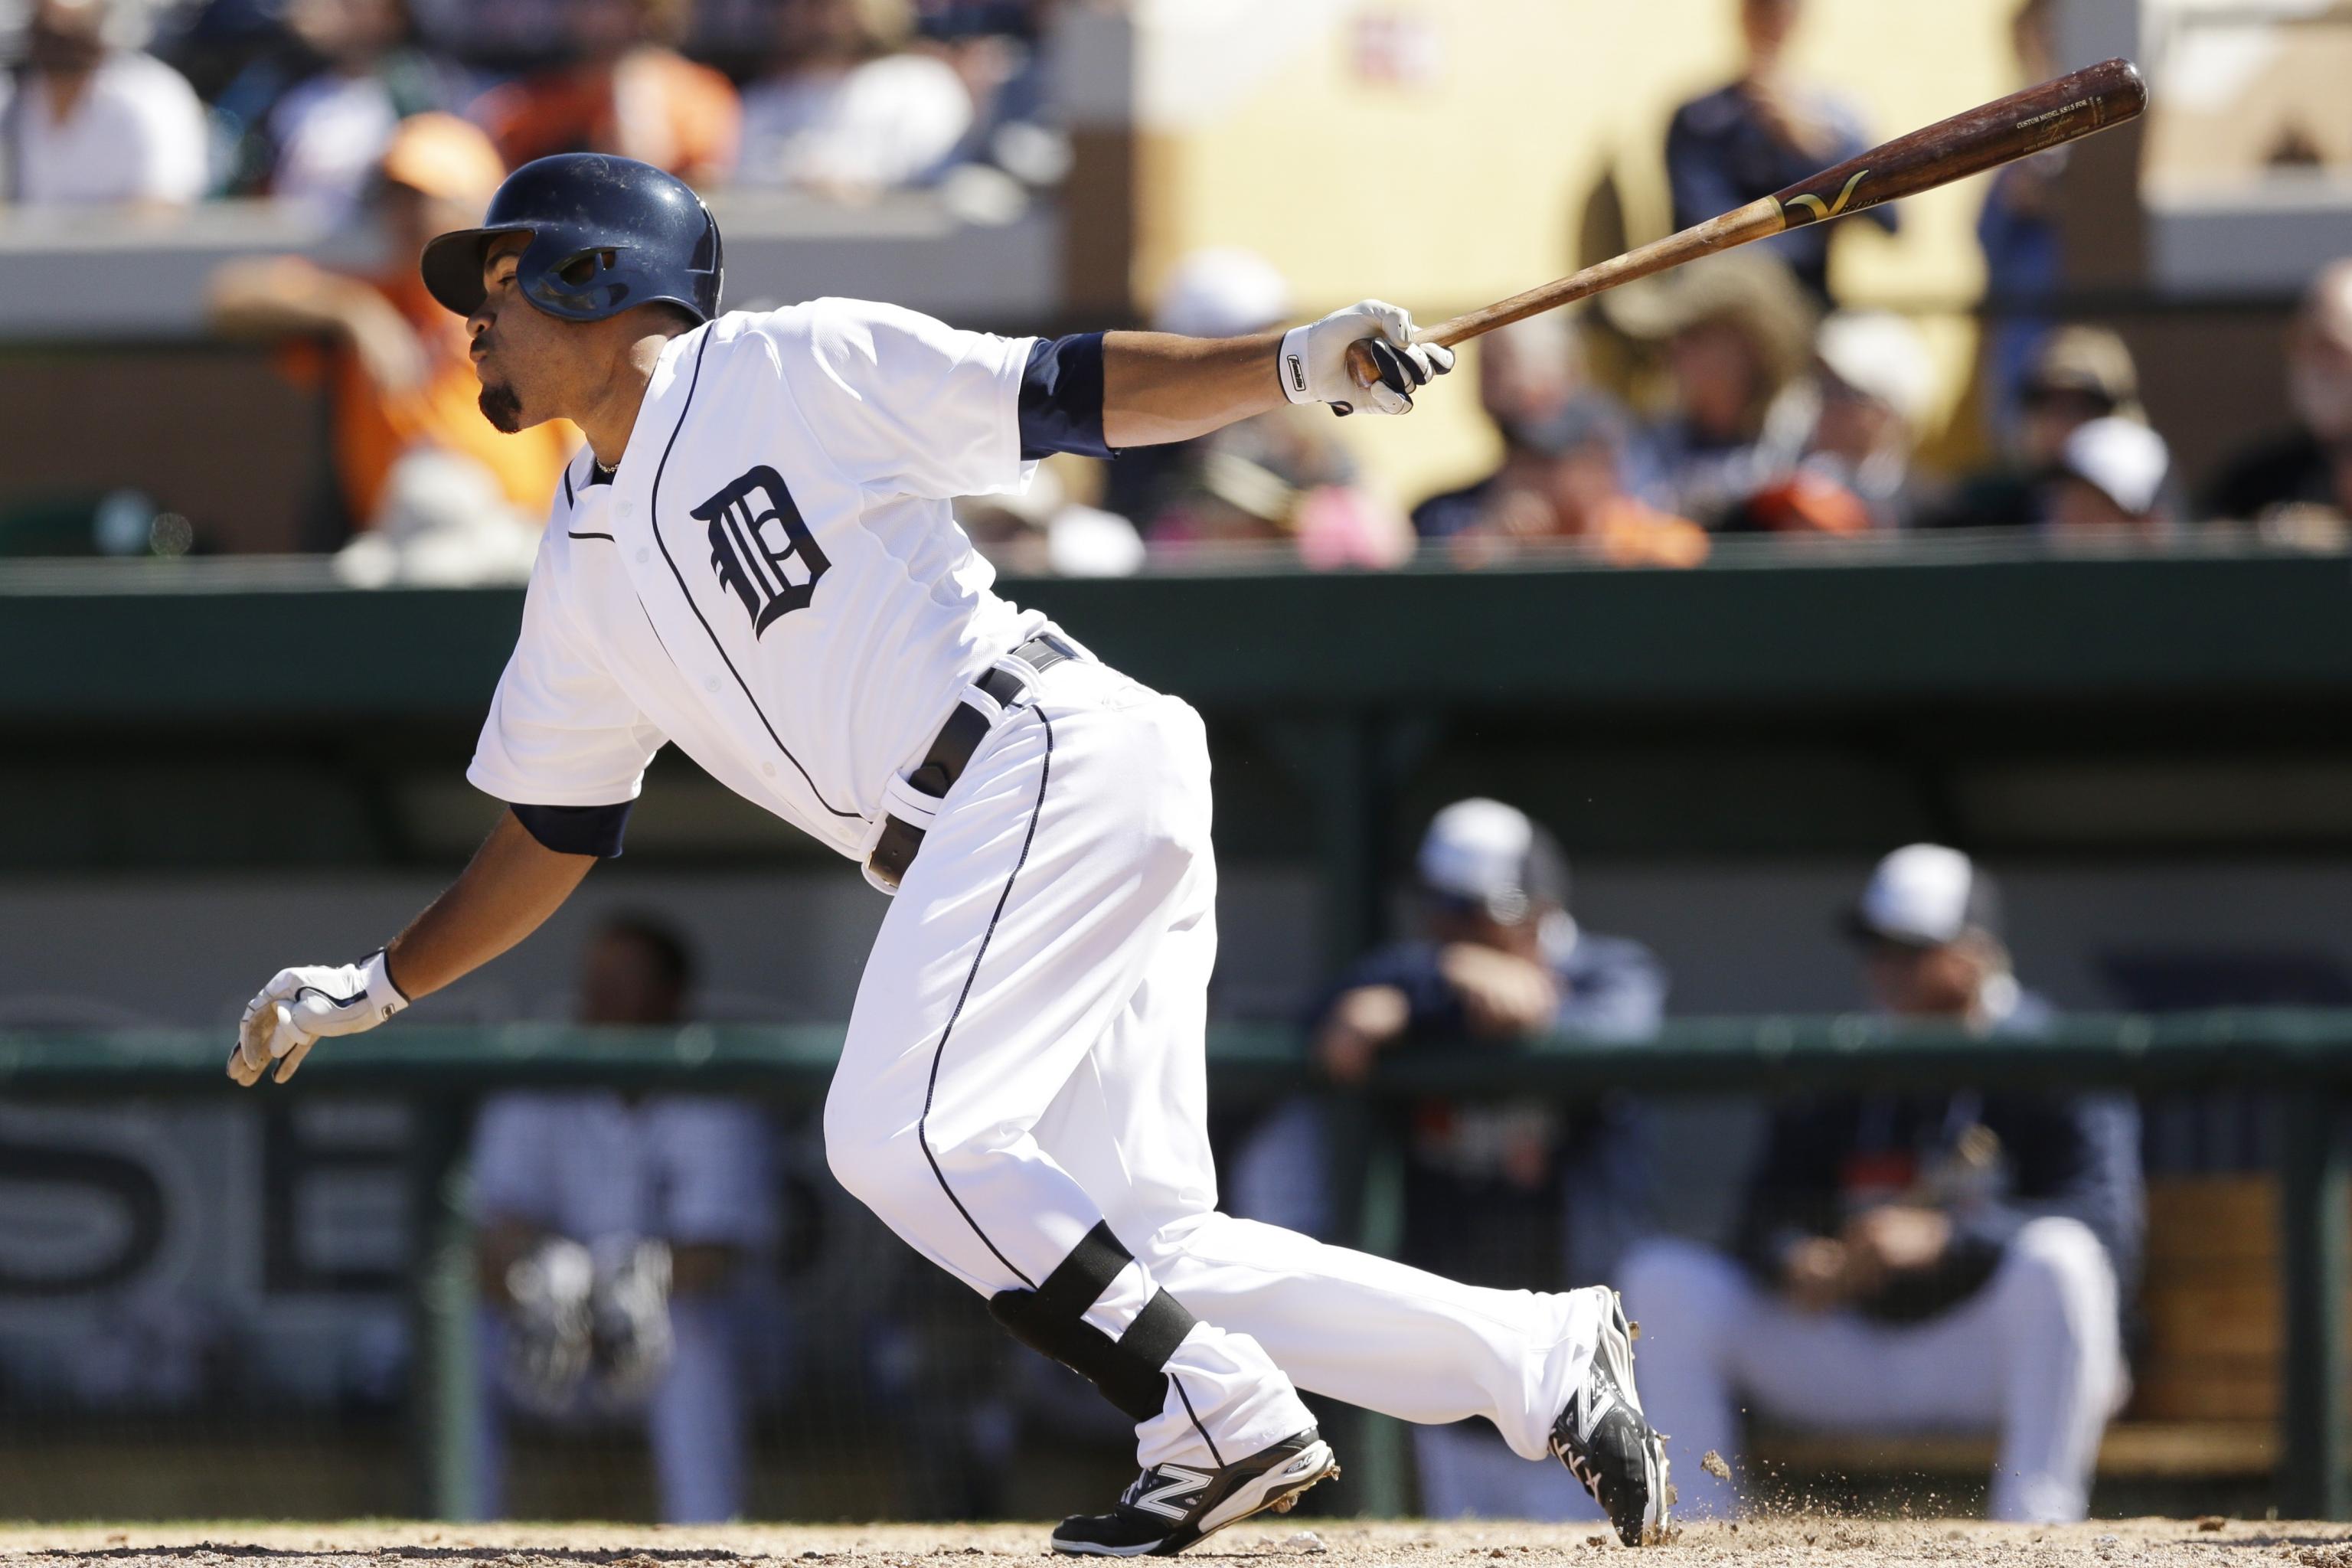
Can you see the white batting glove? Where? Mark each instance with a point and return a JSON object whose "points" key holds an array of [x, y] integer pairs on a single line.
{"points": [[302, 1006], [1313, 362]]}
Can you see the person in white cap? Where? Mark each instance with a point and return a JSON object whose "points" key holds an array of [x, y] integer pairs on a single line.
{"points": [[1953, 1260], [1517, 1194], [1877, 389], [2111, 475]]}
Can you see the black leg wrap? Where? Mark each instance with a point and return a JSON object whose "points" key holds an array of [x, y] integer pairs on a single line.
{"points": [[1051, 1321]]}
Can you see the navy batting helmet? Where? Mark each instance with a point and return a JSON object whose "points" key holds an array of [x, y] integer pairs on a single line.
{"points": [[606, 234]]}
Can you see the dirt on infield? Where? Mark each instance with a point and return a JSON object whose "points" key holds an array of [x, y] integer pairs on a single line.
{"points": [[1794, 1541]]}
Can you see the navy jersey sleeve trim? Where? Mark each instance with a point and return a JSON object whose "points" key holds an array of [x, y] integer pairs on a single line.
{"points": [[577, 829], [1061, 398]]}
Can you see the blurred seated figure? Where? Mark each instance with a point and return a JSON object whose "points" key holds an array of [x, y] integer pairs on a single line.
{"points": [[326, 133], [1562, 479], [2077, 375], [2109, 481], [1282, 479], [845, 110], [1039, 532], [1872, 383], [997, 48], [1519, 1195], [1738, 337], [1913, 1262], [1530, 369], [628, 90], [615, 1233], [415, 456], [2307, 471], [91, 125], [1761, 134]]}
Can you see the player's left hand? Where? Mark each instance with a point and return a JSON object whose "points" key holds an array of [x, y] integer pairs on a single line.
{"points": [[1312, 364], [302, 1006]]}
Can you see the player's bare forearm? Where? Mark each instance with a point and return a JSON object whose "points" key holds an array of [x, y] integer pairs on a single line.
{"points": [[507, 892], [1158, 387]]}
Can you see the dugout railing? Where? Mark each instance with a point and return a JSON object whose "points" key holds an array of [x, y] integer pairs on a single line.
{"points": [[2304, 1058]]}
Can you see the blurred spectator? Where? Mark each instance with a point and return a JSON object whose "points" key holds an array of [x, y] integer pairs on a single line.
{"points": [[844, 109], [1873, 384], [2306, 469], [1738, 339], [1530, 370], [2017, 231], [1913, 1262], [90, 124], [2078, 374], [616, 1232], [628, 90], [1513, 1194], [997, 48], [402, 382], [1562, 479], [325, 134], [1761, 134], [2110, 476], [1281, 479], [1039, 532]]}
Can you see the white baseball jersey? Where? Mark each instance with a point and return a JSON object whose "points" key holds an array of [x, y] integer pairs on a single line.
{"points": [[771, 578]]}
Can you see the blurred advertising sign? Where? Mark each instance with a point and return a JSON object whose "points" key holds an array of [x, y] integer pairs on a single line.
{"points": [[153, 1254]]}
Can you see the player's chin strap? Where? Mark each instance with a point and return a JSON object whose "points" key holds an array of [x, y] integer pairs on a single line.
{"points": [[1131, 1369]]}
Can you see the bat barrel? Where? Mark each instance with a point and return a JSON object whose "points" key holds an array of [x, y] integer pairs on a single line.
{"points": [[2065, 109]]}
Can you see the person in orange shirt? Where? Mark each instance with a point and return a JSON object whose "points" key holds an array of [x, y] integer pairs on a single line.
{"points": [[628, 90], [396, 363], [1563, 481]]}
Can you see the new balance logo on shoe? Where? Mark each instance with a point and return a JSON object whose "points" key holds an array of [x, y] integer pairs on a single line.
{"points": [[1171, 1489]]}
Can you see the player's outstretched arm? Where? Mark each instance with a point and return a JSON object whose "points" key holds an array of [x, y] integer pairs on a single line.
{"points": [[512, 885], [1160, 387]]}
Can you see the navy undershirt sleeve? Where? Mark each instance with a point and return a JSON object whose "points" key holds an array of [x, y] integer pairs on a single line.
{"points": [[577, 829], [1061, 398]]}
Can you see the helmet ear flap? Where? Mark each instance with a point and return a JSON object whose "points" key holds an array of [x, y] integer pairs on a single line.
{"points": [[709, 259]]}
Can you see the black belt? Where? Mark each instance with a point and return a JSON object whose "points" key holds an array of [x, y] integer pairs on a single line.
{"points": [[950, 753]]}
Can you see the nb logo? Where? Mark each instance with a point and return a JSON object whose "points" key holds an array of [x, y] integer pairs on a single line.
{"points": [[760, 547]]}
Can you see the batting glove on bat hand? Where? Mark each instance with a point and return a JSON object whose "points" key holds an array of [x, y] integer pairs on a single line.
{"points": [[302, 1006], [1312, 364]]}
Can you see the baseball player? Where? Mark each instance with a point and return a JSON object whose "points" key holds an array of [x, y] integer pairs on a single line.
{"points": [[754, 560]]}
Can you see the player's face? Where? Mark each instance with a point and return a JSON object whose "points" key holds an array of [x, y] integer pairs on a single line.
{"points": [[623, 983], [529, 363], [1926, 983]]}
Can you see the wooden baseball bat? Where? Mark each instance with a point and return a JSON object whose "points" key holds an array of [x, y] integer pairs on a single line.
{"points": [[2067, 110]]}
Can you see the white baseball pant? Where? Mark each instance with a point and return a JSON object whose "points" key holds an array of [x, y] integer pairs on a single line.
{"points": [[1025, 1059], [2035, 1354]]}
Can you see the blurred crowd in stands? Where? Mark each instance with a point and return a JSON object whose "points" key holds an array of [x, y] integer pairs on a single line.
{"points": [[119, 102], [1732, 397]]}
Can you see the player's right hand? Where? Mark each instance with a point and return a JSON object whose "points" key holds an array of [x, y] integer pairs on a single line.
{"points": [[1312, 364], [301, 1007]]}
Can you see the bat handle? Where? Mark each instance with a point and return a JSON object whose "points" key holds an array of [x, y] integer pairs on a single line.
{"points": [[1362, 368]]}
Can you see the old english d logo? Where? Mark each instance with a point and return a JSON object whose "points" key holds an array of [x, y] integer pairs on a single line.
{"points": [[761, 548]]}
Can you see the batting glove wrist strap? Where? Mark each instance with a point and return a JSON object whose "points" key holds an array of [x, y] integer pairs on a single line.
{"points": [[1312, 362]]}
